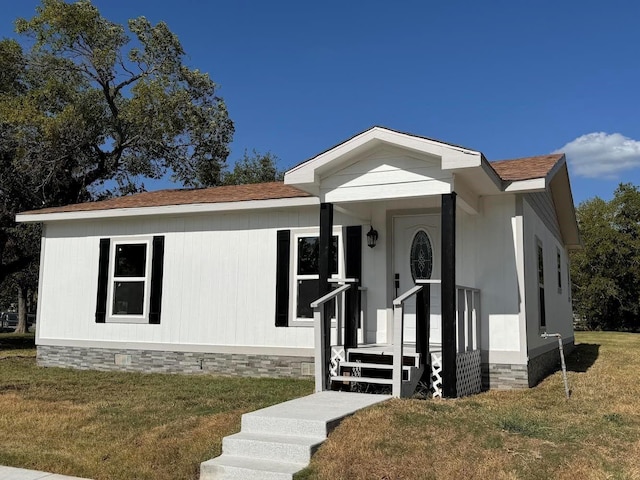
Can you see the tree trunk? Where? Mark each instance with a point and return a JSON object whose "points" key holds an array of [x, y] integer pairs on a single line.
{"points": [[22, 310]]}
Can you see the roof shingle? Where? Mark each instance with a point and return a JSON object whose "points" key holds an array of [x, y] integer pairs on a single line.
{"points": [[185, 196], [526, 168]]}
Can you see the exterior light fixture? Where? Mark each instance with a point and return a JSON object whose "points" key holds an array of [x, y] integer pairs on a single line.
{"points": [[372, 237]]}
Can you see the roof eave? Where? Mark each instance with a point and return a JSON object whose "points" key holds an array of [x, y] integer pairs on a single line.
{"points": [[190, 208]]}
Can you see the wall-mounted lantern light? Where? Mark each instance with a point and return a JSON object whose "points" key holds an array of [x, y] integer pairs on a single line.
{"points": [[372, 237]]}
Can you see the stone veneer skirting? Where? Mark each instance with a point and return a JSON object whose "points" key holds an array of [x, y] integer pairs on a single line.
{"points": [[153, 361], [504, 376]]}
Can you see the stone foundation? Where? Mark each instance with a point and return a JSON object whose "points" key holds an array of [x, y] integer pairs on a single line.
{"points": [[504, 376], [153, 361]]}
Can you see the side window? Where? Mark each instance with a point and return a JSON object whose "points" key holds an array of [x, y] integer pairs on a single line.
{"points": [[559, 266], [306, 279], [130, 275], [129, 280], [540, 261]]}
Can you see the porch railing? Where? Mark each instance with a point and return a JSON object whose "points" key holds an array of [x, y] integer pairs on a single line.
{"points": [[322, 329], [398, 333], [468, 373]]}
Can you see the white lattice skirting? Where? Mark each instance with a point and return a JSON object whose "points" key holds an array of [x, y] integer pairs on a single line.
{"points": [[337, 356], [468, 372], [436, 375]]}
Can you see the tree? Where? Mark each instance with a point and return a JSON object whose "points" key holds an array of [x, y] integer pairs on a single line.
{"points": [[606, 272], [90, 110], [254, 168]]}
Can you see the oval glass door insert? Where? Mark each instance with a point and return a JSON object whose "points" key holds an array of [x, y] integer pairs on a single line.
{"points": [[421, 256]]}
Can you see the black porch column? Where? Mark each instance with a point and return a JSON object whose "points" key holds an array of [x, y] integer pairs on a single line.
{"points": [[448, 289], [423, 325], [325, 254]]}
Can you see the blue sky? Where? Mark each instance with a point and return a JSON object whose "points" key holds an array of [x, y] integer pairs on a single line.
{"points": [[508, 78]]}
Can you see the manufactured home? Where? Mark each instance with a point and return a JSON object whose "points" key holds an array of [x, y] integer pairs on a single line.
{"points": [[389, 259]]}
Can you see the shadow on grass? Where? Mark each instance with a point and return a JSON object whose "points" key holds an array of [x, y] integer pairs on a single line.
{"points": [[17, 341], [582, 357]]}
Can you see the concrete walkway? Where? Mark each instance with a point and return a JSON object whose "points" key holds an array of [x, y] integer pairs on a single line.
{"points": [[278, 441], [10, 473]]}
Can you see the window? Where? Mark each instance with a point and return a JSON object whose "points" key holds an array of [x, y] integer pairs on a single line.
{"points": [[130, 280], [421, 257], [559, 266], [568, 283], [541, 310], [306, 278]]}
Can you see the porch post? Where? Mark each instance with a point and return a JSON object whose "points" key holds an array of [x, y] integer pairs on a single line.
{"points": [[448, 292], [423, 324], [325, 247]]}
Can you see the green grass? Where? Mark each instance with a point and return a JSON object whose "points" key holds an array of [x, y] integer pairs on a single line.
{"points": [[113, 425], [528, 434]]}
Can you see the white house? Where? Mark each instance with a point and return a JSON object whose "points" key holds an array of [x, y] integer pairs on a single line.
{"points": [[222, 279]]}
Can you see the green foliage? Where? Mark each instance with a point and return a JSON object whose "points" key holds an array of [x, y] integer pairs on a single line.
{"points": [[254, 168], [92, 108], [606, 272]]}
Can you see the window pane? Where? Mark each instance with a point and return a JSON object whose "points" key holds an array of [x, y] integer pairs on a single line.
{"points": [[308, 248], [421, 259], [307, 293], [131, 260], [128, 298]]}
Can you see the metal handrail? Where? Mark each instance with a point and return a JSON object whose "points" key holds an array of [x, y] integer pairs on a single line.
{"points": [[329, 296]]}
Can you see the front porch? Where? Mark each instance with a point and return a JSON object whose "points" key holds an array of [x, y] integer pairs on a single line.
{"points": [[399, 367]]}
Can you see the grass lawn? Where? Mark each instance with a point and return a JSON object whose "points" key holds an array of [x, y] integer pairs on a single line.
{"points": [[135, 426], [123, 426], [529, 434]]}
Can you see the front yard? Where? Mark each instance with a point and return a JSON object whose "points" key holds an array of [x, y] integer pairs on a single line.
{"points": [[121, 426]]}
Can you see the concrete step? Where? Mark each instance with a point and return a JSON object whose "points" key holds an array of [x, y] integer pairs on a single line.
{"points": [[290, 432], [296, 449], [231, 467]]}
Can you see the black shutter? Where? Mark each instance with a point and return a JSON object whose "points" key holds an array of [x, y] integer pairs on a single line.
{"points": [[157, 266], [282, 277], [103, 280]]}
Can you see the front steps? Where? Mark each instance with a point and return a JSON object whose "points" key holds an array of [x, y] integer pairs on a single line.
{"points": [[373, 365], [278, 441]]}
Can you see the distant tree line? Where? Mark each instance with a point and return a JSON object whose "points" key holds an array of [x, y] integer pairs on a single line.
{"points": [[606, 272]]}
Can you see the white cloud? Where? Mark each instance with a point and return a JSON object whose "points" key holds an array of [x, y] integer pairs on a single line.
{"points": [[600, 154]]}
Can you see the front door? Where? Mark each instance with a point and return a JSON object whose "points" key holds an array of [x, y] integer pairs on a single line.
{"points": [[416, 256]]}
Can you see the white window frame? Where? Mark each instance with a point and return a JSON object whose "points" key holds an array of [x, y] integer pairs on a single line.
{"points": [[144, 318], [293, 291]]}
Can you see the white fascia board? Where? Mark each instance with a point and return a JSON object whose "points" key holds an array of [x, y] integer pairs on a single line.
{"points": [[532, 185], [310, 171], [168, 210]]}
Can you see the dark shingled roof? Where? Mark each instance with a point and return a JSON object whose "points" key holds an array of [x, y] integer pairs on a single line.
{"points": [[508, 170]]}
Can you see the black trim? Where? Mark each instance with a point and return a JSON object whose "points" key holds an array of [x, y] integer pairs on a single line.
{"points": [[157, 269], [448, 290], [283, 246], [353, 268], [103, 280], [423, 323]]}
